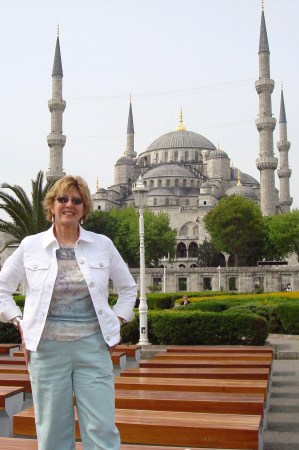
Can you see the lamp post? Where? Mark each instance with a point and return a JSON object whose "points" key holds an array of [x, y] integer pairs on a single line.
{"points": [[219, 278], [164, 274], [140, 194]]}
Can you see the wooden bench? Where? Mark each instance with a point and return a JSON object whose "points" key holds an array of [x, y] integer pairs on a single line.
{"points": [[11, 402], [188, 364], [213, 356], [9, 349], [192, 385], [12, 360], [13, 368], [246, 373], [194, 402], [16, 379], [133, 353], [220, 348], [228, 431], [31, 444]]}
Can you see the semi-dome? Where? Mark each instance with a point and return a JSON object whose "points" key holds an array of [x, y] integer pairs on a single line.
{"points": [[125, 160], [244, 177], [159, 191], [218, 153], [181, 139], [243, 191], [169, 170]]}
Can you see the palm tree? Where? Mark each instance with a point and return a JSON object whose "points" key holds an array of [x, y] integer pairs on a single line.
{"points": [[27, 215]]}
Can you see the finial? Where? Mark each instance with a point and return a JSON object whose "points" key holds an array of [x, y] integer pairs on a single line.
{"points": [[239, 178], [97, 184], [130, 97], [181, 126], [281, 86], [262, 5], [58, 30], [218, 146]]}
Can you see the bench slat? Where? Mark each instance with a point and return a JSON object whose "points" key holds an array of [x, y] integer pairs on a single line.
{"points": [[176, 363], [219, 348], [214, 356]]}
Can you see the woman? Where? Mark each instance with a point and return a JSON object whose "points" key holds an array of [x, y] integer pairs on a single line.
{"points": [[68, 328]]}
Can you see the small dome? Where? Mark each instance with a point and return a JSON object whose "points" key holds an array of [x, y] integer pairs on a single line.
{"points": [[243, 191], [169, 170], [125, 160], [218, 153], [244, 177], [181, 139], [103, 190]]}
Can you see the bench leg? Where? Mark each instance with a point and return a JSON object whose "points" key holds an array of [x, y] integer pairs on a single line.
{"points": [[261, 439], [13, 405]]}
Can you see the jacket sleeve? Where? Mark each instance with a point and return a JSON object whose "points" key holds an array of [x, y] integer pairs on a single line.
{"points": [[124, 284], [10, 276]]}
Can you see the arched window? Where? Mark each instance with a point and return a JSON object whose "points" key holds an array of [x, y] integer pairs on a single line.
{"points": [[187, 201], [192, 183], [181, 251], [167, 182], [157, 158], [177, 202], [152, 183], [186, 156], [159, 183], [176, 156], [192, 250], [176, 182], [184, 231], [155, 202], [166, 156], [196, 156], [184, 182]]}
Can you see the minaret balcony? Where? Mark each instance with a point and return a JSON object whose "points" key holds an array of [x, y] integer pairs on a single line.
{"points": [[283, 146], [284, 172], [56, 105], [286, 202], [264, 85], [56, 140], [267, 162], [265, 123]]}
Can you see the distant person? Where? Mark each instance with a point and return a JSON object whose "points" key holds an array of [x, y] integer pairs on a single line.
{"points": [[69, 330], [185, 300], [289, 289]]}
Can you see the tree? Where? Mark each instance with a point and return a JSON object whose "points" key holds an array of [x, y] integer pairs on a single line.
{"points": [[282, 233], [122, 226], [236, 227], [207, 255], [27, 215]]}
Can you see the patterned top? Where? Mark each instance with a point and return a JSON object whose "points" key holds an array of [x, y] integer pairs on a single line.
{"points": [[71, 314]]}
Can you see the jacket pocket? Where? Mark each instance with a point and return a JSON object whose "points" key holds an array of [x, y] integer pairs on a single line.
{"points": [[36, 272]]}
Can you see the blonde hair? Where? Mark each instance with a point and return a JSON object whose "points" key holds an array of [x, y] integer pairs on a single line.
{"points": [[60, 187]]}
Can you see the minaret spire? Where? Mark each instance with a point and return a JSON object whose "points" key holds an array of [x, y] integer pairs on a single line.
{"points": [[284, 172], [130, 133], [265, 124], [181, 126], [56, 140]]}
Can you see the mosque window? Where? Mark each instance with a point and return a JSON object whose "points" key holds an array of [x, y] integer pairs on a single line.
{"points": [[159, 183], [196, 156], [155, 202], [187, 201], [145, 183], [176, 182], [182, 282], [152, 183], [192, 250], [167, 201], [204, 202], [99, 207], [167, 182], [157, 158], [207, 283], [186, 156], [176, 156], [192, 183], [166, 156], [185, 182], [177, 202]]}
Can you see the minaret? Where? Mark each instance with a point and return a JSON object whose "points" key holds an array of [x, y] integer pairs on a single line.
{"points": [[56, 140], [265, 124], [130, 135], [284, 173]]}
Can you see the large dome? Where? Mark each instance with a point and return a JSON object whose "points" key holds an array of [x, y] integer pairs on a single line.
{"points": [[181, 139], [169, 170]]}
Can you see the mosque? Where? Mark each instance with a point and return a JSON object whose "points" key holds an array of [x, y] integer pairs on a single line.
{"points": [[185, 173]]}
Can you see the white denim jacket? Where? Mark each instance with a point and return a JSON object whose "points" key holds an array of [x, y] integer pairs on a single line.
{"points": [[35, 261]]}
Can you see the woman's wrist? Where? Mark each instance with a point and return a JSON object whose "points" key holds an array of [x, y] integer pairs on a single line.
{"points": [[16, 321]]}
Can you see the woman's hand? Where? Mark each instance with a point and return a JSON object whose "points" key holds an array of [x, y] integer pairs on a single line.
{"points": [[25, 351]]}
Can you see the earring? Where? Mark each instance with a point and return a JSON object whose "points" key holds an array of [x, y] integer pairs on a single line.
{"points": [[81, 221], [53, 218]]}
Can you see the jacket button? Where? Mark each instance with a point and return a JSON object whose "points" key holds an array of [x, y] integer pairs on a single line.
{"points": [[101, 265], [108, 338], [91, 284], [35, 266], [81, 261], [100, 311]]}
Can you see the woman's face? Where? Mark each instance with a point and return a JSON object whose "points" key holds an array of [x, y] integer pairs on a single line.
{"points": [[68, 208]]}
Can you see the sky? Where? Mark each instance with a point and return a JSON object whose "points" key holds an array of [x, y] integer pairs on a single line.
{"points": [[198, 55]]}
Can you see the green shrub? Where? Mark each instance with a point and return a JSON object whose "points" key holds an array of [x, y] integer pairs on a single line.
{"points": [[288, 314], [209, 305], [9, 334]]}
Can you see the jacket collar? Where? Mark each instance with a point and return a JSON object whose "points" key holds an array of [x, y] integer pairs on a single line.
{"points": [[50, 238]]}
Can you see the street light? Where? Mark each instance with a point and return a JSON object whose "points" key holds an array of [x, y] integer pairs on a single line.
{"points": [[164, 274], [140, 194], [219, 279]]}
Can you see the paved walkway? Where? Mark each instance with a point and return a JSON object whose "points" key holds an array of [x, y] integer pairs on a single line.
{"points": [[283, 418]]}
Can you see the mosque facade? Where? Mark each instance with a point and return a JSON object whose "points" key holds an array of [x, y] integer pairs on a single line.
{"points": [[185, 173]]}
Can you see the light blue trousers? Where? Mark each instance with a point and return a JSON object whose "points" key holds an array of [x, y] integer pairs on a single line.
{"points": [[57, 370]]}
